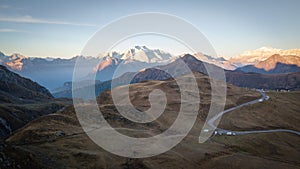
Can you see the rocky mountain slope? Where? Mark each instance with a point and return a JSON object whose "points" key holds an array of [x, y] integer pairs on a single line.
{"points": [[13, 86], [22, 100]]}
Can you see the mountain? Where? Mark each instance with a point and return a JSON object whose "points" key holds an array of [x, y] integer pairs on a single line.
{"points": [[275, 64], [22, 100], [13, 87], [58, 141], [160, 72], [288, 81], [218, 61], [132, 60], [283, 81], [142, 57], [144, 54], [49, 72], [251, 57], [14, 61], [54, 72]]}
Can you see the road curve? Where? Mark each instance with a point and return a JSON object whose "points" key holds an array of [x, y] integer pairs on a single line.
{"points": [[233, 133]]}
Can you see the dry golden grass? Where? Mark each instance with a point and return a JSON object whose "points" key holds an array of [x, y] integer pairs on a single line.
{"points": [[37, 146], [281, 111]]}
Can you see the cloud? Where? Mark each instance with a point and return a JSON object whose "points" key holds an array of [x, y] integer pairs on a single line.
{"points": [[8, 7], [10, 30], [29, 19], [4, 6]]}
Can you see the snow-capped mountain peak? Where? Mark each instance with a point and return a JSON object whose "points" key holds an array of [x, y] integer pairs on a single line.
{"points": [[267, 48], [144, 54], [140, 53], [251, 57]]}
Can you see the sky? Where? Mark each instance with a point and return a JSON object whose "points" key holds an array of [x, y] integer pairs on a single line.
{"points": [[55, 28]]}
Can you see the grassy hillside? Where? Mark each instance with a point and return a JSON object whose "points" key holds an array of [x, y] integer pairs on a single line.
{"points": [[280, 111], [41, 144]]}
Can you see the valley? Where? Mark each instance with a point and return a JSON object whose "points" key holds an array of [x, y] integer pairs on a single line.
{"points": [[40, 129], [37, 145], [149, 84]]}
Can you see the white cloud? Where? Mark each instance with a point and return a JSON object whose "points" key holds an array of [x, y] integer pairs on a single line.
{"points": [[4, 6], [8, 7], [10, 30], [29, 19]]}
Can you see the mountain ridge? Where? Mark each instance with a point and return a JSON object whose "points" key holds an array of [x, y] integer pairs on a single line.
{"points": [[22, 100], [287, 81], [53, 73], [17, 86], [250, 57], [275, 64]]}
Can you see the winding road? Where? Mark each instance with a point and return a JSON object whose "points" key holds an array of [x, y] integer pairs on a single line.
{"points": [[233, 133]]}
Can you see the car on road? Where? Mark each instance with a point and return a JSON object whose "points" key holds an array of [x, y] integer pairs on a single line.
{"points": [[229, 133]]}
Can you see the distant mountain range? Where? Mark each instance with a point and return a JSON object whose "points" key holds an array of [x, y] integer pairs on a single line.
{"points": [[53, 73], [141, 57], [132, 60], [289, 81], [252, 57], [57, 139], [49, 72], [275, 64], [218, 61]]}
